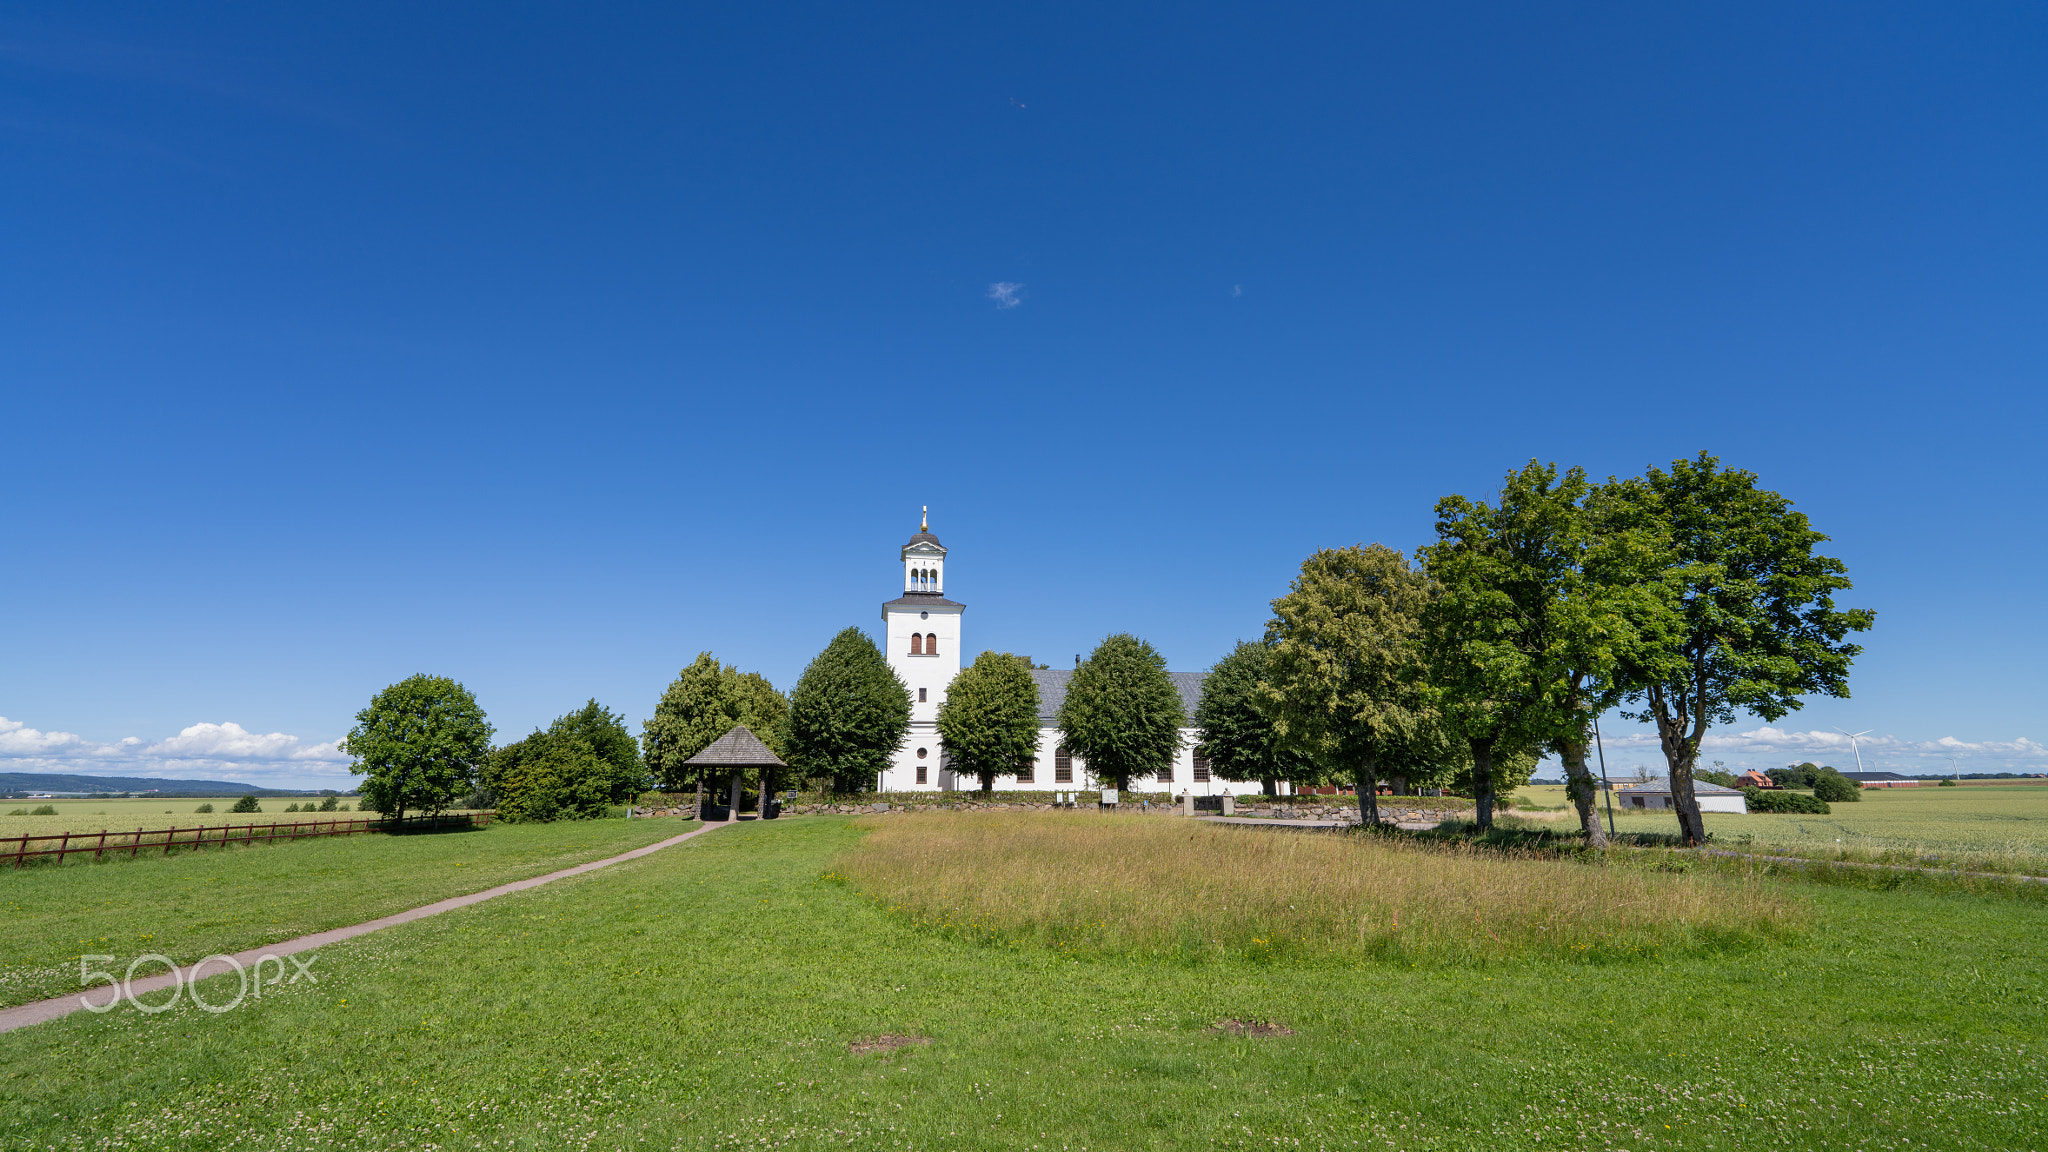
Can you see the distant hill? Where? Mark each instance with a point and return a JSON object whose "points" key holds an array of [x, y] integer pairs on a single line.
{"points": [[64, 782]]}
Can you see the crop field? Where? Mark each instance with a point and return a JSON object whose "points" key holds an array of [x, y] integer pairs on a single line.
{"points": [[191, 904], [128, 815], [737, 991], [2005, 828]]}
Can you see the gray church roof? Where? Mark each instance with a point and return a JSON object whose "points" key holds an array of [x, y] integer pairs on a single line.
{"points": [[738, 748], [1052, 690], [922, 600]]}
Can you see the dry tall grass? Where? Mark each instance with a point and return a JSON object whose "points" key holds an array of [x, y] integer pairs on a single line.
{"points": [[1084, 884]]}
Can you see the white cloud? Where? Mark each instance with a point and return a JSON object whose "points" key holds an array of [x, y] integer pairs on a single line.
{"points": [[205, 750], [1769, 747], [1006, 294]]}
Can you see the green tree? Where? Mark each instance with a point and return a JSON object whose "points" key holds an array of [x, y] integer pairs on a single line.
{"points": [[989, 721], [1347, 683], [418, 745], [1538, 597], [1122, 714], [1236, 737], [576, 768], [245, 804], [848, 714], [1751, 623], [707, 700]]}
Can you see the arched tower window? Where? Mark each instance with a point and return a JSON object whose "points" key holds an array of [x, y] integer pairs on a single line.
{"points": [[916, 644], [931, 643]]}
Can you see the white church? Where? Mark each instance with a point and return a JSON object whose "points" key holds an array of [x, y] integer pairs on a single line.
{"points": [[923, 634]]}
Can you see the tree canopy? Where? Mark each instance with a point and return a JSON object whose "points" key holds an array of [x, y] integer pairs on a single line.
{"points": [[1536, 600], [1122, 714], [848, 714], [1750, 623], [1346, 681], [418, 745], [705, 702], [576, 768], [1236, 736], [989, 721]]}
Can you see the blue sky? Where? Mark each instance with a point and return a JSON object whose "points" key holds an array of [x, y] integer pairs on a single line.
{"points": [[544, 347]]}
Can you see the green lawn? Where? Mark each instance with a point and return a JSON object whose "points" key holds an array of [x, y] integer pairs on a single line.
{"points": [[2002, 827], [191, 904], [704, 997]]}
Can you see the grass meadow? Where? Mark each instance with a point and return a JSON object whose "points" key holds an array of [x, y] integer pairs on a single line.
{"points": [[713, 995], [2001, 828], [189, 905], [1079, 887]]}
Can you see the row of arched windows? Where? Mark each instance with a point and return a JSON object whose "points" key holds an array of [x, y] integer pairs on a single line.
{"points": [[925, 645], [924, 579]]}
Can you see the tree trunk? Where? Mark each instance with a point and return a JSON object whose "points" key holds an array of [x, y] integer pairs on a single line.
{"points": [[700, 796], [1584, 791], [988, 781], [732, 812], [766, 782], [1680, 752], [1367, 779], [1482, 781], [1400, 784], [1270, 786]]}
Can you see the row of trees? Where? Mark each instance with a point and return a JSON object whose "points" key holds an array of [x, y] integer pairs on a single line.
{"points": [[1680, 597]]}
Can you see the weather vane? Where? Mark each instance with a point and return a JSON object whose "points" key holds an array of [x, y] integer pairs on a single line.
{"points": [[924, 519]]}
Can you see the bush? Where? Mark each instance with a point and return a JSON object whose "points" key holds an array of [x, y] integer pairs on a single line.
{"points": [[1946, 784], [480, 798], [291, 807], [329, 805], [1835, 788], [246, 804], [45, 810], [1782, 801], [203, 809], [19, 812]]}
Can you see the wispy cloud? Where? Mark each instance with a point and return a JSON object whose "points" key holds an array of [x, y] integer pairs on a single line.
{"points": [[206, 749], [1006, 294]]}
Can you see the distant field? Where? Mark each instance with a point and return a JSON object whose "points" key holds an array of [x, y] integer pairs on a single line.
{"points": [[128, 815], [1985, 824]]}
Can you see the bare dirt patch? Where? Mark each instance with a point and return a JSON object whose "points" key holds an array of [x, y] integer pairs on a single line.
{"points": [[888, 1042], [1254, 1028]]}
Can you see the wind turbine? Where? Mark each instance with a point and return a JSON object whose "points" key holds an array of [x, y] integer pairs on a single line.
{"points": [[1853, 746]]}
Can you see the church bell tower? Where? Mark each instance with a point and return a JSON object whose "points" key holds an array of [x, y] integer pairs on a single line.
{"points": [[922, 631]]}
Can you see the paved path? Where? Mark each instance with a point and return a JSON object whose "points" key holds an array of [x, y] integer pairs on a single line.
{"points": [[38, 1011]]}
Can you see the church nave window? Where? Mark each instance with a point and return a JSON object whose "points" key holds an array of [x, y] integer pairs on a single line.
{"points": [[1166, 774], [1027, 772], [1062, 766], [1201, 769]]}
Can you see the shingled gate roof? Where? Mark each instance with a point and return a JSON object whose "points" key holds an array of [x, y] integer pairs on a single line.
{"points": [[738, 748]]}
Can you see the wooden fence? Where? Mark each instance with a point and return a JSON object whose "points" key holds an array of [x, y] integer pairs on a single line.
{"points": [[103, 842]]}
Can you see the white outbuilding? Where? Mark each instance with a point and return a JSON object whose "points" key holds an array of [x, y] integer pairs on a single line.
{"points": [[1657, 794]]}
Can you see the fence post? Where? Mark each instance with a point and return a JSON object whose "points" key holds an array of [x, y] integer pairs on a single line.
{"points": [[62, 846], [22, 851], [135, 845], [168, 837], [102, 846]]}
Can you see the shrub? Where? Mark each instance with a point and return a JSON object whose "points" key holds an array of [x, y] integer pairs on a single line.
{"points": [[1835, 788], [329, 804], [19, 812], [1946, 784], [1781, 801], [45, 810], [203, 809], [246, 804], [291, 807], [479, 799]]}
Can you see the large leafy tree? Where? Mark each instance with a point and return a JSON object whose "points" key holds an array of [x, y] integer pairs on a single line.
{"points": [[1751, 623], [707, 700], [1347, 685], [418, 745], [575, 768], [1236, 736], [849, 713], [989, 722], [1537, 601], [1122, 714]]}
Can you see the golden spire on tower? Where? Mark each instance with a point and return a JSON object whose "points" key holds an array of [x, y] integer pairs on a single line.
{"points": [[924, 520]]}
